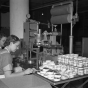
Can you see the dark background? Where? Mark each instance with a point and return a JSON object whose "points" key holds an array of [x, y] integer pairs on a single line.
{"points": [[40, 11]]}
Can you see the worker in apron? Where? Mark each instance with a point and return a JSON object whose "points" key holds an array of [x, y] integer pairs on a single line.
{"points": [[11, 45]]}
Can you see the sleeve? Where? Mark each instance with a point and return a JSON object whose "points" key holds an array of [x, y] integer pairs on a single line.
{"points": [[7, 61]]}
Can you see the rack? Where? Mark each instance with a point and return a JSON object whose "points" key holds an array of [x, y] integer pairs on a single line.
{"points": [[30, 30]]}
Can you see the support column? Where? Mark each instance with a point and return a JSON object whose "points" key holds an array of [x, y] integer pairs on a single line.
{"points": [[18, 11]]}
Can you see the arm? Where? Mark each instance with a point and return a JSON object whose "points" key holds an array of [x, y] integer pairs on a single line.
{"points": [[8, 72], [7, 67]]}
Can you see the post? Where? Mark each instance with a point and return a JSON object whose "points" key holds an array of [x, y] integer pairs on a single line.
{"points": [[71, 40]]}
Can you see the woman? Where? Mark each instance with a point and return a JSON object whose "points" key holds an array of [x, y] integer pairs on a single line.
{"points": [[2, 40], [11, 45]]}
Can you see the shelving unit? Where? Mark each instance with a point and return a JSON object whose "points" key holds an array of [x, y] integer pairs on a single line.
{"points": [[30, 30]]}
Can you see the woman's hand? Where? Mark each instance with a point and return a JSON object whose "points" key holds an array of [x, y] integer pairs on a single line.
{"points": [[28, 71], [34, 70]]}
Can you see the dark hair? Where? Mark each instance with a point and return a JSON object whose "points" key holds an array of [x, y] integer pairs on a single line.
{"points": [[2, 35], [11, 38]]}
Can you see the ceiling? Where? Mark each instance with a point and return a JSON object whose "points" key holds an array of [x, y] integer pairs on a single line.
{"points": [[36, 4]]}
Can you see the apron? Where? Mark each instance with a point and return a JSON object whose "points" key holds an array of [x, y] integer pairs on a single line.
{"points": [[3, 76]]}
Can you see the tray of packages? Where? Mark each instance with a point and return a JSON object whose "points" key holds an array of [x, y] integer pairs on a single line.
{"points": [[67, 68], [57, 81]]}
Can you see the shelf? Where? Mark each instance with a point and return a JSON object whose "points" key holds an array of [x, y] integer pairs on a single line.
{"points": [[32, 30]]}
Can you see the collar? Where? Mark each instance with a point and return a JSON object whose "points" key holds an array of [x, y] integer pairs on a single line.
{"points": [[7, 50]]}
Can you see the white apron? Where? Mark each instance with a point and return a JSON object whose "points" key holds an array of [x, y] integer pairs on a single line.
{"points": [[2, 76]]}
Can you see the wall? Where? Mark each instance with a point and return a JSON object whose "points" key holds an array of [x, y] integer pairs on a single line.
{"points": [[5, 20], [5, 23]]}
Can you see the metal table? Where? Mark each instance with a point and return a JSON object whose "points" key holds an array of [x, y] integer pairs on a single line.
{"points": [[27, 81], [65, 82]]}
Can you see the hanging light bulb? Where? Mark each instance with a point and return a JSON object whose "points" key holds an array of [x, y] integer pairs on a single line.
{"points": [[42, 13]]}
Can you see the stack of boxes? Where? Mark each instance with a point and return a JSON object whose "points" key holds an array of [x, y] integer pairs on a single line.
{"points": [[74, 62]]}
